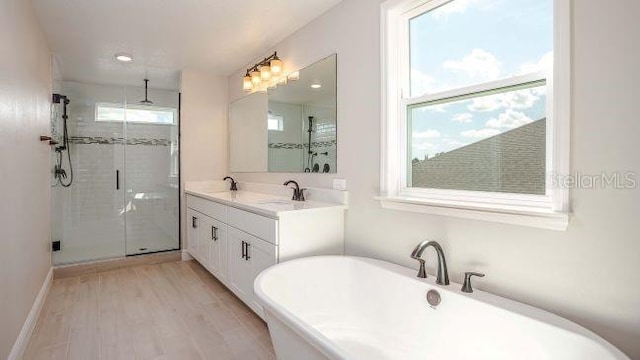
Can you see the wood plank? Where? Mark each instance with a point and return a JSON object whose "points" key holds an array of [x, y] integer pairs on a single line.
{"points": [[173, 310]]}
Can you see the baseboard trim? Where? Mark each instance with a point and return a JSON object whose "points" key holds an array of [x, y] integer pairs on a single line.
{"points": [[20, 346], [186, 256]]}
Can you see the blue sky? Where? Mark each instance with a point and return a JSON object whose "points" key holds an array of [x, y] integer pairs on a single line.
{"points": [[466, 42]]}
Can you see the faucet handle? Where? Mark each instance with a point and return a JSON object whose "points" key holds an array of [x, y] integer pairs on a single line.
{"points": [[466, 287], [301, 194]]}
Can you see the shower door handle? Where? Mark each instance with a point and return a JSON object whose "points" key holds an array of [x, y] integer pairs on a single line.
{"points": [[117, 179]]}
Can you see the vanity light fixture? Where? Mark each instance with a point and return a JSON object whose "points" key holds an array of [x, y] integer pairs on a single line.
{"points": [[124, 57], [255, 77], [268, 73], [276, 65], [265, 72], [294, 76], [247, 85]]}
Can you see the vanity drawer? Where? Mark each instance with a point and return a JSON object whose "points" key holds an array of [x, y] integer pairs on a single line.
{"points": [[207, 207], [257, 225]]}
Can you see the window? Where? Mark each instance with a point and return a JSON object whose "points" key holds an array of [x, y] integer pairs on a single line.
{"points": [[475, 108], [275, 122], [136, 114]]}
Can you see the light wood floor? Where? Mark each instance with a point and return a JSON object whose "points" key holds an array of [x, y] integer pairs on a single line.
{"points": [[174, 310]]}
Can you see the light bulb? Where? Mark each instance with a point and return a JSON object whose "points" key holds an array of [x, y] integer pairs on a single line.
{"points": [[276, 66], [294, 75], [124, 57], [265, 72], [246, 83], [255, 77]]}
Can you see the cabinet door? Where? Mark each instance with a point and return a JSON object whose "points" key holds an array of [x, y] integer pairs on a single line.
{"points": [[192, 231], [240, 276], [205, 240], [261, 255], [217, 251]]}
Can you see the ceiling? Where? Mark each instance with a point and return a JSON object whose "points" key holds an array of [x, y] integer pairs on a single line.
{"points": [[300, 92], [165, 36]]}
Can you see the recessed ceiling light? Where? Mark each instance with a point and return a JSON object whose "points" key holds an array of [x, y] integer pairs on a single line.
{"points": [[316, 86], [124, 57]]}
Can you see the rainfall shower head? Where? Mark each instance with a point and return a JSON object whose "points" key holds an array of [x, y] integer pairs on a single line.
{"points": [[146, 100]]}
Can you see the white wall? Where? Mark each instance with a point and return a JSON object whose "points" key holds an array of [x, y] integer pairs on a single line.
{"points": [[25, 91], [203, 129], [590, 273]]}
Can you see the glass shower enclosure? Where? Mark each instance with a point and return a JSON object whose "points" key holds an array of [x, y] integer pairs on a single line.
{"points": [[115, 188]]}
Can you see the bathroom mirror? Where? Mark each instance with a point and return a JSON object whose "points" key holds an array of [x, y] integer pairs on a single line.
{"points": [[291, 128]]}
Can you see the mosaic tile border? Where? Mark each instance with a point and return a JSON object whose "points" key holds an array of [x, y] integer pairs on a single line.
{"points": [[331, 143], [287, 146], [99, 140]]}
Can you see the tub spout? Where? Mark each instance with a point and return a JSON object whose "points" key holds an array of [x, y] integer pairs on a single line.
{"points": [[442, 276]]}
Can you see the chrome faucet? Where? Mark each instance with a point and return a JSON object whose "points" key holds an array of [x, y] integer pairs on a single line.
{"points": [[298, 194], [442, 277], [234, 184]]}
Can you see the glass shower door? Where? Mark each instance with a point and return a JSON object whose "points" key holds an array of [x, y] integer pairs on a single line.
{"points": [[151, 171], [88, 202]]}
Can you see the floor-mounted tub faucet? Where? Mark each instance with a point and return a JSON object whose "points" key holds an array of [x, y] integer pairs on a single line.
{"points": [[234, 184], [442, 277]]}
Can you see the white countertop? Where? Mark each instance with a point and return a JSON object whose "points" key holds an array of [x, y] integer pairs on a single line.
{"points": [[269, 205]]}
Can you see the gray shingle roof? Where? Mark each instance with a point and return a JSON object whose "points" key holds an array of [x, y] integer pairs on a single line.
{"points": [[511, 162]]}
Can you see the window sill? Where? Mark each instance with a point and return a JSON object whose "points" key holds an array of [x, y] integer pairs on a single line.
{"points": [[538, 218]]}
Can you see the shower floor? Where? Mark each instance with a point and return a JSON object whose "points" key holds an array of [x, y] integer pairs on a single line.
{"points": [[83, 251]]}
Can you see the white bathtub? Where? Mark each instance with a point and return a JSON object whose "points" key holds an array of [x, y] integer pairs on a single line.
{"points": [[340, 307]]}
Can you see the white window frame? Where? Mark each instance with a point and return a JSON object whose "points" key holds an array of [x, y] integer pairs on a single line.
{"points": [[279, 119], [549, 211], [125, 107]]}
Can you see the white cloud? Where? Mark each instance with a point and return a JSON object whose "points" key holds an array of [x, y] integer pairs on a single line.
{"points": [[486, 103], [454, 143], [457, 6], [480, 134], [421, 83], [462, 118], [544, 64], [429, 134], [521, 99], [423, 146], [436, 108], [478, 64], [508, 120]]}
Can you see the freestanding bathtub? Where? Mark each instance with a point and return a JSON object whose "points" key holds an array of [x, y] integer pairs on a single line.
{"points": [[340, 307]]}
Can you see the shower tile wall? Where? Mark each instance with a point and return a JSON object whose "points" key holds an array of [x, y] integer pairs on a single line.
{"points": [[96, 217], [288, 148], [324, 135], [285, 147]]}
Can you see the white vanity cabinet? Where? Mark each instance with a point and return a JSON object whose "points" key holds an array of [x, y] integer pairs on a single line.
{"points": [[207, 242], [248, 256], [235, 244]]}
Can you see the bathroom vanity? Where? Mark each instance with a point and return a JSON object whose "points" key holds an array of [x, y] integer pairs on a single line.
{"points": [[238, 234]]}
